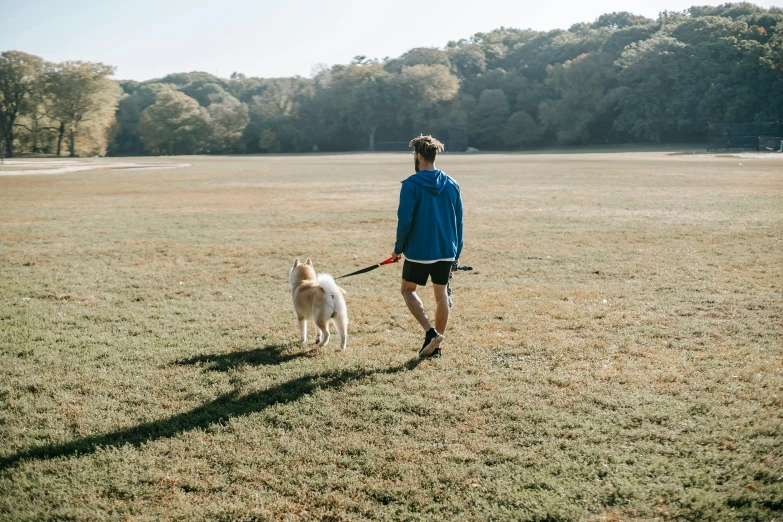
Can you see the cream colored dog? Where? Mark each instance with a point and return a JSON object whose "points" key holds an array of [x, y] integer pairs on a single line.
{"points": [[319, 299]]}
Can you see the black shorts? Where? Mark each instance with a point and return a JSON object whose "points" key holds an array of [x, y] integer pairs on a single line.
{"points": [[419, 272]]}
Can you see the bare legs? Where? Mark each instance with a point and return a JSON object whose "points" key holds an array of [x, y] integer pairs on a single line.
{"points": [[408, 291], [441, 308]]}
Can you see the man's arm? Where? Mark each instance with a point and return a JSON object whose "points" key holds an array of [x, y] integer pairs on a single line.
{"points": [[405, 212]]}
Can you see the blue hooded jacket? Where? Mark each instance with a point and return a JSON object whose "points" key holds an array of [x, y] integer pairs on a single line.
{"points": [[429, 218]]}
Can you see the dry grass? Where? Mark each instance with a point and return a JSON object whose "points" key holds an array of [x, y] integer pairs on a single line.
{"points": [[616, 354]]}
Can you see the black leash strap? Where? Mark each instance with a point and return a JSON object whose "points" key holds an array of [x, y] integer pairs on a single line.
{"points": [[368, 269]]}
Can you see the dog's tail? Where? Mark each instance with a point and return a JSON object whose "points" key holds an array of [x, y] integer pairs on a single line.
{"points": [[334, 292], [339, 312], [327, 283]]}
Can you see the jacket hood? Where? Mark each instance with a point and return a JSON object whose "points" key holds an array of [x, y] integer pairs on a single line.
{"points": [[431, 180]]}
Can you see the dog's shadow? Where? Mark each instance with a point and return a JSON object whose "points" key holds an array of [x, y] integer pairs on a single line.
{"points": [[267, 356]]}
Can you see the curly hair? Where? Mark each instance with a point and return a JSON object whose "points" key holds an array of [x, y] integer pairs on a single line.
{"points": [[427, 146]]}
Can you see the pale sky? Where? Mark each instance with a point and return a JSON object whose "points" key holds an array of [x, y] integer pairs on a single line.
{"points": [[147, 39]]}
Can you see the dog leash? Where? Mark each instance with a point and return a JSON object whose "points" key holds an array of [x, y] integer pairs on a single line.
{"points": [[369, 268], [454, 267]]}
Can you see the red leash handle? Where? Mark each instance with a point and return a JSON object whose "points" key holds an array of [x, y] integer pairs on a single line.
{"points": [[369, 268]]}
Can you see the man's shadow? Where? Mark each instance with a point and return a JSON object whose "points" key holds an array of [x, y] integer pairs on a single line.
{"points": [[226, 406]]}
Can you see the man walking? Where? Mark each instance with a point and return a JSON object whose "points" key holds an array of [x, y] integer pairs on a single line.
{"points": [[429, 233]]}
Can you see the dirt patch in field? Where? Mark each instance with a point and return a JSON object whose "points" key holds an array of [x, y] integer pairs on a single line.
{"points": [[64, 167]]}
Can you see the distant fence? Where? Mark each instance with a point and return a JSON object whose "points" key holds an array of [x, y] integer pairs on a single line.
{"points": [[770, 144], [763, 136]]}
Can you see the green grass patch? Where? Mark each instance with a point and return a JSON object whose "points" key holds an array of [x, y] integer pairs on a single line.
{"points": [[617, 353]]}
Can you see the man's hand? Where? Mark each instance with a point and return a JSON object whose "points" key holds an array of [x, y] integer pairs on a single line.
{"points": [[396, 257]]}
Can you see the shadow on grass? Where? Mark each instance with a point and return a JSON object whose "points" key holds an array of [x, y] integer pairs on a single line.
{"points": [[267, 356], [220, 410]]}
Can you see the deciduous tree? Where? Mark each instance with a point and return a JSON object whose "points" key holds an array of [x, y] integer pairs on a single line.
{"points": [[19, 74], [174, 124], [228, 118], [580, 86], [521, 129], [490, 118], [81, 92]]}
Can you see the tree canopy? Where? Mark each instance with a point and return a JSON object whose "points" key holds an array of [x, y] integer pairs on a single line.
{"points": [[622, 78]]}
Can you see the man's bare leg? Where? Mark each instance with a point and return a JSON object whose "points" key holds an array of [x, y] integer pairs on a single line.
{"points": [[441, 308], [408, 291]]}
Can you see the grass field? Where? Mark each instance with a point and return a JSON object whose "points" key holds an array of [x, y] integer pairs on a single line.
{"points": [[617, 353]]}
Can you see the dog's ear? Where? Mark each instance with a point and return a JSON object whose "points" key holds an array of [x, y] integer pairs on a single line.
{"points": [[296, 262], [308, 262]]}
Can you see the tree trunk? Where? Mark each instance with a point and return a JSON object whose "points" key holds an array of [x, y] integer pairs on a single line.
{"points": [[372, 138], [36, 140], [9, 140], [60, 133], [73, 142], [9, 145]]}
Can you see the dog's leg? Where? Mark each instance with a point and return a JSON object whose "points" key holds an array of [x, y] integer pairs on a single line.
{"points": [[323, 327], [303, 330], [341, 325]]}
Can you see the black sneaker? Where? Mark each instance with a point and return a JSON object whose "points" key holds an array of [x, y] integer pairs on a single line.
{"points": [[431, 342], [436, 354]]}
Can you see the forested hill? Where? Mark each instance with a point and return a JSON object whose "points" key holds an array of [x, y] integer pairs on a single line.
{"points": [[622, 78]]}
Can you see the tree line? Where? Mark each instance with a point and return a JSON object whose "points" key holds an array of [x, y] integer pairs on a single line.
{"points": [[622, 78], [45, 105]]}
